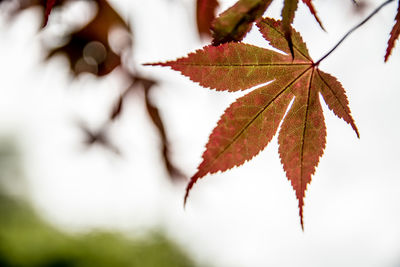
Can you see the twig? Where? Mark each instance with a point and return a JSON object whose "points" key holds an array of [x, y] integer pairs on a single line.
{"points": [[353, 29]]}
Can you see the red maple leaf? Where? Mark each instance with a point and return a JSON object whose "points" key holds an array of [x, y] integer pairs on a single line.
{"points": [[249, 124], [394, 34]]}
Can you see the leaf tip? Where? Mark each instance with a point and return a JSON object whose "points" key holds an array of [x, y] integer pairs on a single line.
{"points": [[301, 205], [353, 125], [357, 132], [49, 7], [314, 13], [386, 58], [45, 22], [389, 49], [387, 55], [189, 187]]}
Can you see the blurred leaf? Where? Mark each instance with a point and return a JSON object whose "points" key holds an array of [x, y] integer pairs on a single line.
{"points": [[46, 5], [205, 14], [99, 137], [117, 108], [234, 23], [89, 50], [49, 7]]}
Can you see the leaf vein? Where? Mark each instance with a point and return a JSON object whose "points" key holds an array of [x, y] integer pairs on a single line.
{"points": [[256, 116]]}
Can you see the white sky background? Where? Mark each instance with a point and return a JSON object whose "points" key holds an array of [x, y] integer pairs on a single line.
{"points": [[247, 216]]}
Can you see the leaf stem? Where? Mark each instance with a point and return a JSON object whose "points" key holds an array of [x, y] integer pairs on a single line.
{"points": [[353, 29]]}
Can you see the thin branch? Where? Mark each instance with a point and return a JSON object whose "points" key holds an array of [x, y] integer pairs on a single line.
{"points": [[353, 29]]}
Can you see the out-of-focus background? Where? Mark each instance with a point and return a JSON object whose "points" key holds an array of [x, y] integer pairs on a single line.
{"points": [[88, 181]]}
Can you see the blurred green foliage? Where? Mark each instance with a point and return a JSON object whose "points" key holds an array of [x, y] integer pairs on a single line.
{"points": [[27, 240]]}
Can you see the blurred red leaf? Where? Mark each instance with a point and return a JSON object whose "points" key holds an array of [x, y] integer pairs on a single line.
{"points": [[234, 23], [205, 14], [89, 50]]}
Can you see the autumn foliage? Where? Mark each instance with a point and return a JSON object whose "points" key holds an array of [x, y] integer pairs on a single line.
{"points": [[249, 124], [88, 50], [284, 87]]}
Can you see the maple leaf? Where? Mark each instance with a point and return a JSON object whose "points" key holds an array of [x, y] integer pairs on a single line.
{"points": [[249, 124], [234, 23], [205, 14], [394, 34]]}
